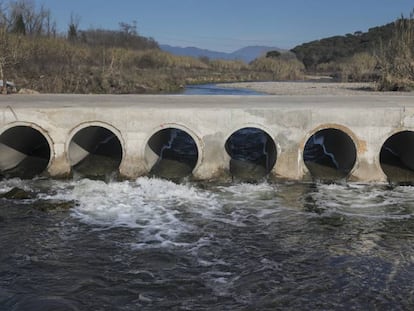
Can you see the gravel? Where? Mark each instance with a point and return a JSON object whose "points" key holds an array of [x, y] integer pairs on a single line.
{"points": [[313, 88]]}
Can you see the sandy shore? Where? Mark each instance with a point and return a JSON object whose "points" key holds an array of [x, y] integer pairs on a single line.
{"points": [[312, 88]]}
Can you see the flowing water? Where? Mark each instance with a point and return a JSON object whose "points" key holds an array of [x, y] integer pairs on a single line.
{"points": [[151, 244], [214, 89]]}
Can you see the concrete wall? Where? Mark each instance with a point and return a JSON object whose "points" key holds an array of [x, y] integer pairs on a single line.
{"points": [[210, 120]]}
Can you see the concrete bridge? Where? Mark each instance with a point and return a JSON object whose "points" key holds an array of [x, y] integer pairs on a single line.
{"points": [[357, 138]]}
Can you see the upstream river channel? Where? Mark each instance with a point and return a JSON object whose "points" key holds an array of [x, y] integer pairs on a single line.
{"points": [[152, 244]]}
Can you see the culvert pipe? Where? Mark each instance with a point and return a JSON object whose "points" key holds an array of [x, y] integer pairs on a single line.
{"points": [[24, 152], [397, 157], [171, 153], [330, 154], [253, 154], [95, 151]]}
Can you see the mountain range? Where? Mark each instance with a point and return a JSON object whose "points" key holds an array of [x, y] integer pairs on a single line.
{"points": [[246, 54]]}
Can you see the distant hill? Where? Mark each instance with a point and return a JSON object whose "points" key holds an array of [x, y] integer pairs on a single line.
{"points": [[335, 48], [193, 52], [246, 54], [250, 53]]}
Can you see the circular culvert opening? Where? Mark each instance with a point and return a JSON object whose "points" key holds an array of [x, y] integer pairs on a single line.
{"points": [[24, 152], [330, 154], [172, 154], [253, 154], [397, 157], [95, 152]]}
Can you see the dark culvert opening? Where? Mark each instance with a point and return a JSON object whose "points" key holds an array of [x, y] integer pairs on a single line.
{"points": [[24, 152], [253, 154], [95, 152], [174, 153], [397, 157], [329, 154]]}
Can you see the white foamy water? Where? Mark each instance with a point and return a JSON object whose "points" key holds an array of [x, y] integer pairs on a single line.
{"points": [[151, 202], [8, 184], [245, 191], [160, 211], [362, 200], [153, 207], [234, 246]]}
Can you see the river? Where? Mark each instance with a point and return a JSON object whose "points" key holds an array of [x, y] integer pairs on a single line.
{"points": [[214, 89], [151, 244]]}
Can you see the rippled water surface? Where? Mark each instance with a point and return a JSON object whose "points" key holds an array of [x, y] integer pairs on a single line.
{"points": [[151, 244], [214, 89]]}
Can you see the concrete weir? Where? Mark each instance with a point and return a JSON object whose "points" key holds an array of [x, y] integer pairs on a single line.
{"points": [[367, 138]]}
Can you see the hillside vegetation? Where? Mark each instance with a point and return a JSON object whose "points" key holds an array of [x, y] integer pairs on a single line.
{"points": [[335, 49], [383, 54]]}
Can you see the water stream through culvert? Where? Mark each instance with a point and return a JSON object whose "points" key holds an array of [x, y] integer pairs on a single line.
{"points": [[151, 244]]}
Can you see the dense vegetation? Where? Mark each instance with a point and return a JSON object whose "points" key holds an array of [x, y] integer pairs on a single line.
{"points": [[35, 56], [336, 48], [396, 57], [384, 54]]}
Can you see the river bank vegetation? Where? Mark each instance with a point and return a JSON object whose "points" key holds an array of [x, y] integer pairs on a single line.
{"points": [[34, 55]]}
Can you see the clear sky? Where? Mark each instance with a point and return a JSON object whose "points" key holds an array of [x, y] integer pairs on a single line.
{"points": [[227, 25]]}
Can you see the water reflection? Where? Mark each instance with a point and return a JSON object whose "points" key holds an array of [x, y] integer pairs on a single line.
{"points": [[214, 89], [329, 154], [95, 152], [396, 158], [253, 154], [24, 152], [174, 153]]}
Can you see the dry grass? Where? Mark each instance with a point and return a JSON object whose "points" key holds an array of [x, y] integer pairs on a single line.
{"points": [[396, 58], [279, 68], [56, 65], [361, 67]]}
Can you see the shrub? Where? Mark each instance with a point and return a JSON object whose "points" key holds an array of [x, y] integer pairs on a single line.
{"points": [[361, 67], [281, 69]]}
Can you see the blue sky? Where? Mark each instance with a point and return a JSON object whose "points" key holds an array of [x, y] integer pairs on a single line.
{"points": [[227, 25]]}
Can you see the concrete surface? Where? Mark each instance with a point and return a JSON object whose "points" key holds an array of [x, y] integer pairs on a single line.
{"points": [[210, 120]]}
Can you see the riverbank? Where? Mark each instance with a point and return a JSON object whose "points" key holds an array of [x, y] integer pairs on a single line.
{"points": [[312, 88]]}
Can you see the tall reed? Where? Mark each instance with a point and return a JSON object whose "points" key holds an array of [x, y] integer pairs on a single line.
{"points": [[396, 57]]}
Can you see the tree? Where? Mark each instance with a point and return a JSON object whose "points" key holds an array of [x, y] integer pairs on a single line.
{"points": [[36, 22], [273, 54], [51, 28], [126, 37], [3, 15], [129, 29], [73, 28], [19, 26]]}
